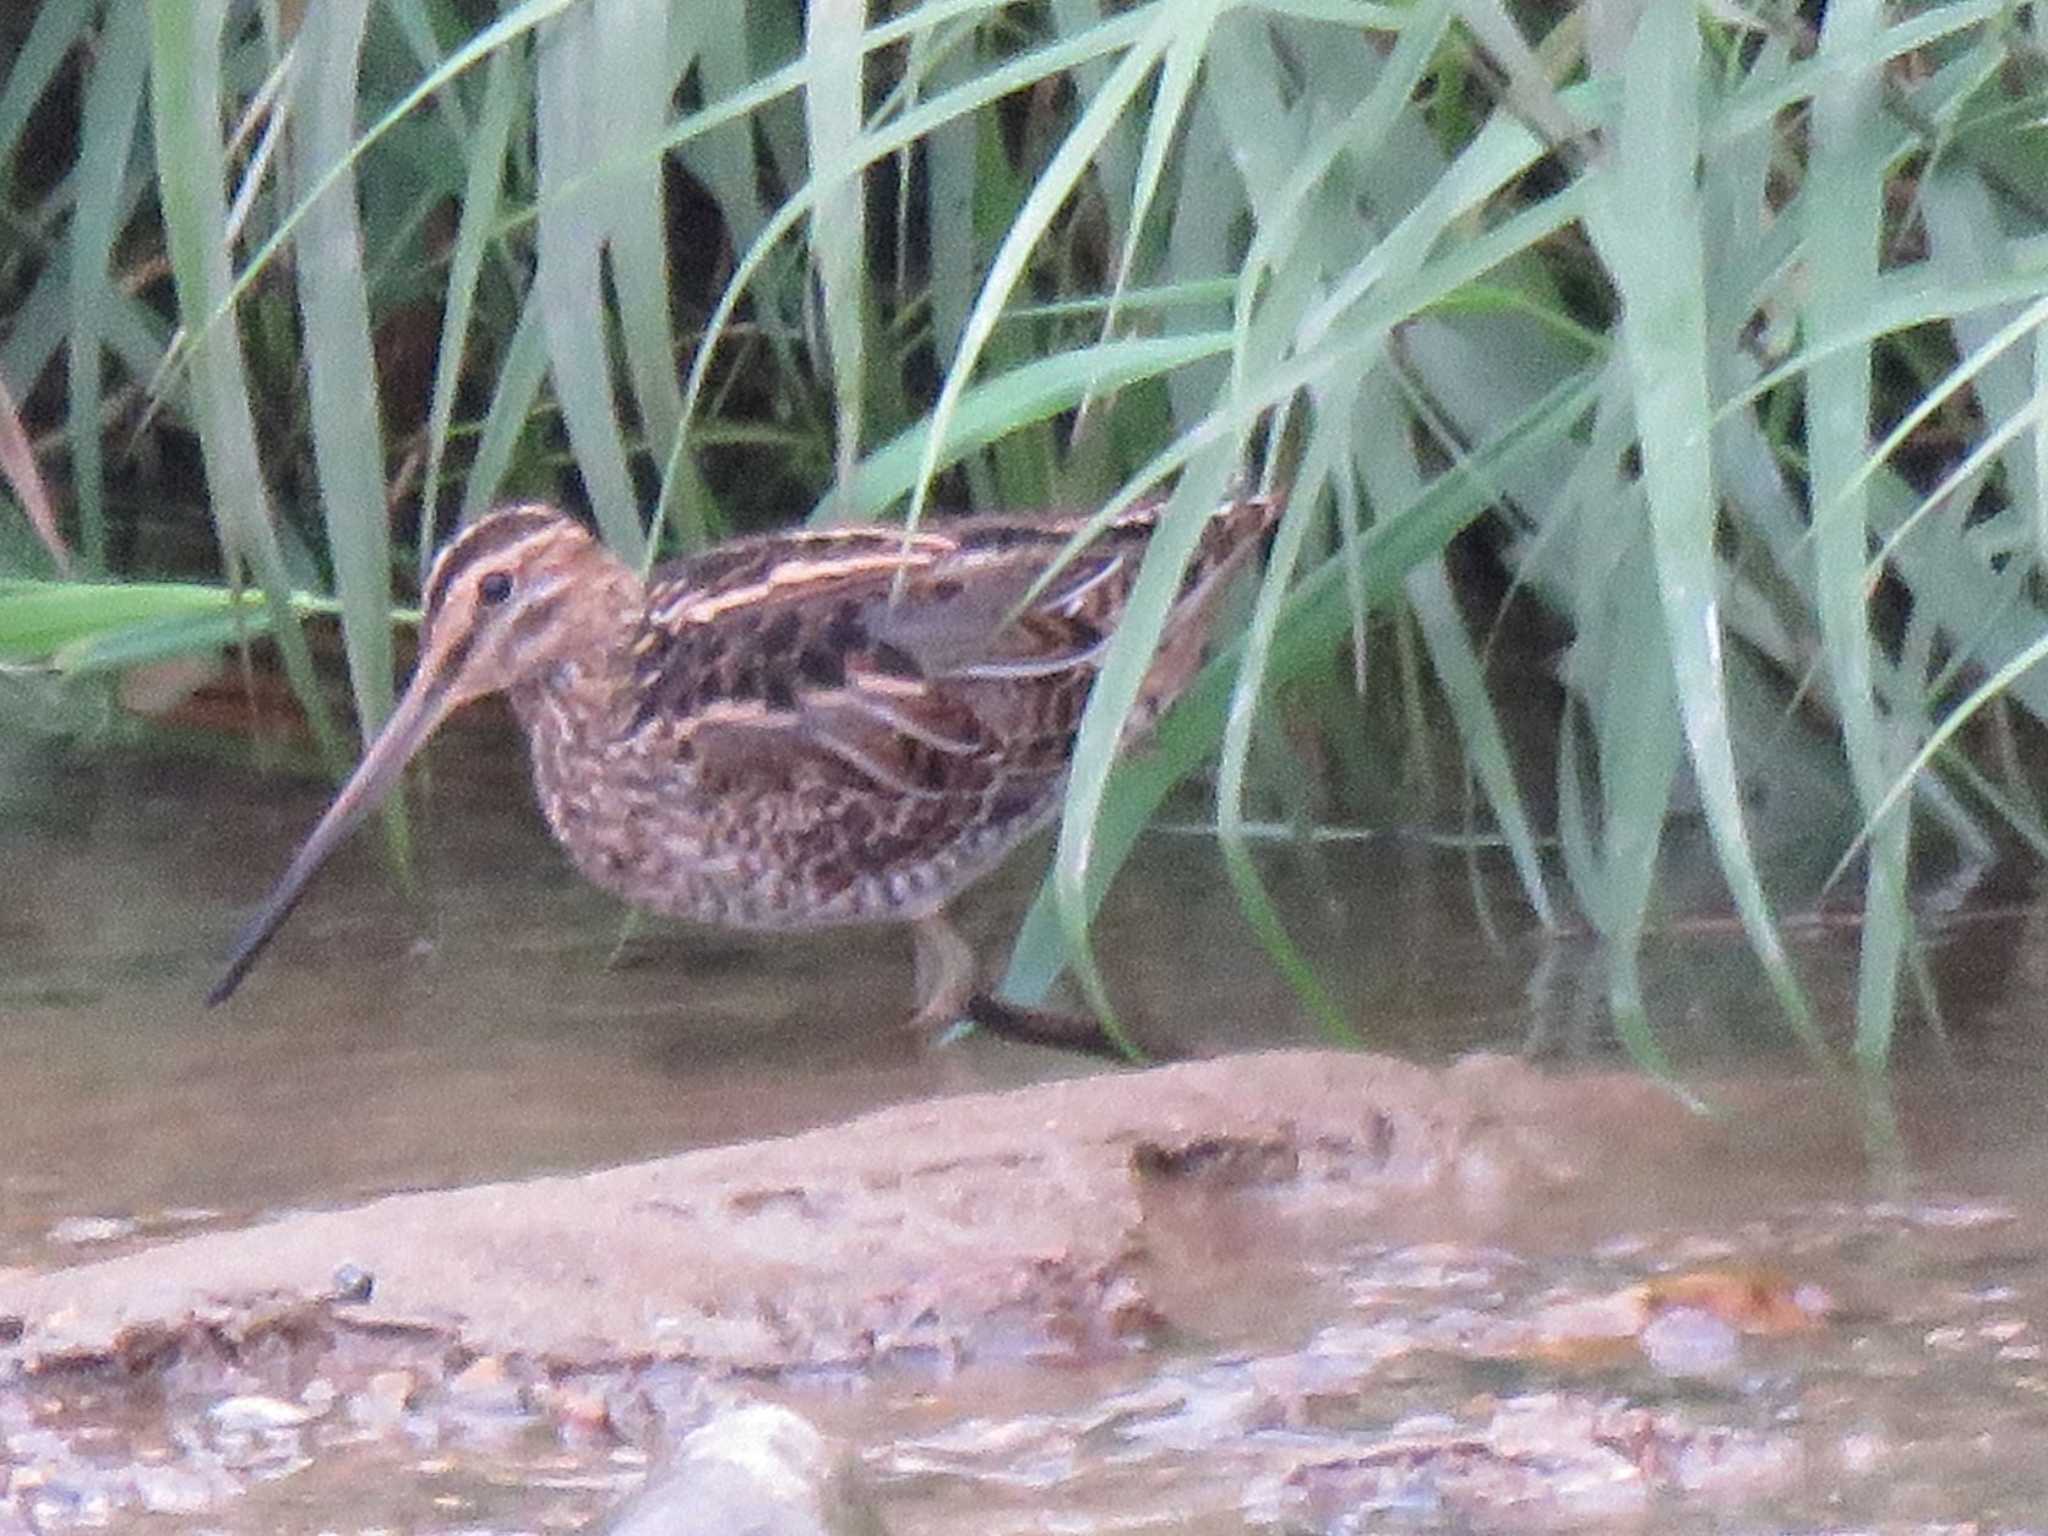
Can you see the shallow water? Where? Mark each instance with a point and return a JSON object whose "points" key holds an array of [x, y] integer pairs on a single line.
{"points": [[495, 1028], [489, 1031]]}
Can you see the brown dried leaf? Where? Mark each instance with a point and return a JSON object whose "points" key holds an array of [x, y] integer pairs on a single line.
{"points": [[25, 477]]}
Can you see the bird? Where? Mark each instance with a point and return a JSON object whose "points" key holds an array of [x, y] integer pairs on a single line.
{"points": [[793, 730]]}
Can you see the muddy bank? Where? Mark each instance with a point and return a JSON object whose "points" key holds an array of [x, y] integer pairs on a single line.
{"points": [[1055, 1220], [519, 1351]]}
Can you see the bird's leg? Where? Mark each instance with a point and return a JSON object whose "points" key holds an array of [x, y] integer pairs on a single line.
{"points": [[945, 974], [947, 993]]}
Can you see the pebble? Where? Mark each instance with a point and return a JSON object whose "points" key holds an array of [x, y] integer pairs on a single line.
{"points": [[82, 1231], [485, 1386], [172, 1490], [394, 1389], [251, 1414], [579, 1415], [1690, 1342], [760, 1469]]}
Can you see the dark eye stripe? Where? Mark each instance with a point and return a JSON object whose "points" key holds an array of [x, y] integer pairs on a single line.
{"points": [[485, 539]]}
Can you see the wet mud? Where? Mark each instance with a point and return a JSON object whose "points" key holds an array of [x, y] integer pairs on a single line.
{"points": [[1045, 1222], [1297, 1292]]}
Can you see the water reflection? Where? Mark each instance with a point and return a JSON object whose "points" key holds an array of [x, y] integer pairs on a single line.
{"points": [[496, 1029], [365, 1058]]}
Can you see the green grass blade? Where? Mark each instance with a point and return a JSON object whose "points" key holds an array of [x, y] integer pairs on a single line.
{"points": [[40, 619], [60, 26], [1201, 238], [107, 124], [1845, 195], [1285, 212], [569, 277], [838, 227], [634, 59], [1035, 392], [1116, 173], [507, 29], [1235, 752], [1755, 108], [520, 376], [1463, 679], [877, 144], [416, 25], [1639, 743], [505, 100], [1110, 702], [1316, 616], [1052, 188], [1647, 227], [723, 158], [341, 373], [957, 185], [1163, 124], [40, 324], [185, 101]]}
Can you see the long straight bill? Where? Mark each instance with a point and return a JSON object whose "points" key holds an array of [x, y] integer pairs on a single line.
{"points": [[422, 708]]}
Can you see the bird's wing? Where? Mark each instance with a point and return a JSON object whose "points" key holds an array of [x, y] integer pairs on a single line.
{"points": [[861, 655]]}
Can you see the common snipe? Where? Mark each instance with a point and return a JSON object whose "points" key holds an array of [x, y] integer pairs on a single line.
{"points": [[810, 728]]}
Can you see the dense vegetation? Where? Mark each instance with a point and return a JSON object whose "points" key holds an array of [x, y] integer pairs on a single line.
{"points": [[1714, 335]]}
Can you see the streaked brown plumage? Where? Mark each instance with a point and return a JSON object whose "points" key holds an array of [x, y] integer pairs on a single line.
{"points": [[809, 728]]}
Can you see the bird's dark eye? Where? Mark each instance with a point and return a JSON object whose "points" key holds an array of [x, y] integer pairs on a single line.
{"points": [[494, 588]]}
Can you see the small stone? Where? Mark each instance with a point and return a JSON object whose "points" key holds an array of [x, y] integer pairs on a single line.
{"points": [[1864, 1453], [55, 1506], [757, 1469], [353, 1285], [1726, 1461], [172, 1490], [485, 1386], [397, 1388], [577, 1414], [484, 1374], [82, 1231], [252, 1414], [1961, 1215], [1690, 1341]]}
